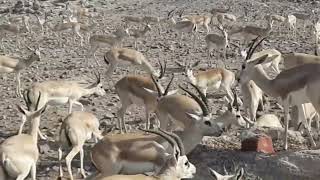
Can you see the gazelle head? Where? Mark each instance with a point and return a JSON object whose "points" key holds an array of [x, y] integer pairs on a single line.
{"points": [[203, 120], [160, 73], [30, 114], [35, 56], [177, 163], [239, 174], [248, 67], [97, 86], [187, 67], [122, 31]]}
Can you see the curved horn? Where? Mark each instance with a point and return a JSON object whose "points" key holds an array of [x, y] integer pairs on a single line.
{"points": [[26, 98], [255, 47], [178, 141], [250, 48], [198, 100], [98, 77], [105, 59], [162, 69], [171, 141], [38, 100], [157, 86], [168, 86], [203, 97], [170, 14]]}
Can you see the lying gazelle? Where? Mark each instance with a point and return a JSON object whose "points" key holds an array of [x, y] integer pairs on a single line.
{"points": [[97, 41], [76, 129], [62, 92], [291, 86], [215, 41], [120, 56], [8, 64], [137, 33], [122, 153], [131, 90], [20, 153], [237, 176], [214, 78], [174, 166]]}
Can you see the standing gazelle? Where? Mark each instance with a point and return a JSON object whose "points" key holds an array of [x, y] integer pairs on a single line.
{"points": [[126, 56], [8, 64], [19, 153], [132, 90], [215, 41], [75, 130], [293, 86]]}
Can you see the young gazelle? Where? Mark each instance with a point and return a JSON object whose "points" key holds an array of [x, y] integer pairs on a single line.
{"points": [[131, 90], [291, 86], [62, 92], [19, 153], [214, 79], [137, 33], [76, 128], [199, 20], [8, 64], [125, 56], [98, 41], [175, 166], [215, 41]]}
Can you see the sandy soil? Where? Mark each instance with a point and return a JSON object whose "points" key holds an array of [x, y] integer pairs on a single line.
{"points": [[70, 62]]}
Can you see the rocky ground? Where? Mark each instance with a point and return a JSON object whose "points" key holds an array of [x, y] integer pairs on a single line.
{"points": [[68, 60]]}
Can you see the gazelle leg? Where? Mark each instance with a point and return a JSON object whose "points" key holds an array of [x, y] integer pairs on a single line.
{"points": [[33, 171], [147, 117], [286, 122], [304, 121], [79, 104], [22, 124], [60, 163], [69, 158], [121, 123], [18, 88], [81, 162]]}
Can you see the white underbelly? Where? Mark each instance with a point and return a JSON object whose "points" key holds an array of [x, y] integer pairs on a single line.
{"points": [[137, 167], [57, 100]]}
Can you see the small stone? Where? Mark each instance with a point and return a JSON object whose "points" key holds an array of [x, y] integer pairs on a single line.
{"points": [[259, 143]]}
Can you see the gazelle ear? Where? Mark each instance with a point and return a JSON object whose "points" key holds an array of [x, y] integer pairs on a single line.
{"points": [[215, 174], [240, 173], [261, 59], [151, 91], [194, 116], [173, 92]]}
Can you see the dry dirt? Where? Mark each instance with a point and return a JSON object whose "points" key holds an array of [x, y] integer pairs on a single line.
{"points": [[69, 61]]}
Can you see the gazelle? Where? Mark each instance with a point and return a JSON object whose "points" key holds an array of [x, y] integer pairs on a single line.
{"points": [[137, 33], [42, 21], [222, 17], [291, 86], [125, 56], [173, 166], [11, 29], [19, 153], [62, 92], [247, 33], [131, 90], [303, 17], [291, 22], [76, 129], [297, 59], [182, 26], [215, 41], [214, 79], [122, 153], [199, 20], [8, 65], [97, 41], [237, 176], [274, 54], [276, 18]]}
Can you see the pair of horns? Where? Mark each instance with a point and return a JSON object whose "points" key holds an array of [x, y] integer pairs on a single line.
{"points": [[253, 47], [26, 97], [202, 101], [173, 139], [160, 94]]}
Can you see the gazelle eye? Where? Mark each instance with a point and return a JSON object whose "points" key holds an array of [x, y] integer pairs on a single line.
{"points": [[187, 163], [237, 116], [243, 66], [208, 123]]}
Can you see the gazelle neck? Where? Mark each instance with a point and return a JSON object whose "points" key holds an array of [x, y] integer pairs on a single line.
{"points": [[87, 92], [264, 82], [191, 77], [34, 129], [190, 137]]}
